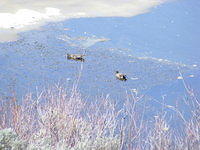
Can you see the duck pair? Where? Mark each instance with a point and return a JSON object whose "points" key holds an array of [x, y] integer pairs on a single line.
{"points": [[80, 57]]}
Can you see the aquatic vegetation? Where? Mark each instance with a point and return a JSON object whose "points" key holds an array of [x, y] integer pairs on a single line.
{"points": [[83, 41]]}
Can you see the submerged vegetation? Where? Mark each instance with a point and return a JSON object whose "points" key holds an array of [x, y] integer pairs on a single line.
{"points": [[60, 119]]}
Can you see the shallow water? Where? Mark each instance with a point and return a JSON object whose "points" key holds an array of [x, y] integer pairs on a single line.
{"points": [[152, 49]]}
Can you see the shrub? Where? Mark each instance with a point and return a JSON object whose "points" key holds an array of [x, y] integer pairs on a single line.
{"points": [[59, 119], [9, 140]]}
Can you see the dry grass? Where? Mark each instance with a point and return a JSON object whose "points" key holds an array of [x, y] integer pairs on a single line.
{"points": [[59, 119], [55, 119]]}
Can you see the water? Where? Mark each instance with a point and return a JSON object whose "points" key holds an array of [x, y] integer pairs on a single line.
{"points": [[152, 49]]}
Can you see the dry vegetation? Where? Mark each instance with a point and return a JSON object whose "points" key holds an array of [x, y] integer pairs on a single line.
{"points": [[59, 119]]}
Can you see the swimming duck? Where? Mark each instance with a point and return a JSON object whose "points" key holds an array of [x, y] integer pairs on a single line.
{"points": [[120, 76], [78, 57]]}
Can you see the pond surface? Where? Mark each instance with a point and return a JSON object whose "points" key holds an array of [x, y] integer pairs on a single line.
{"points": [[152, 49]]}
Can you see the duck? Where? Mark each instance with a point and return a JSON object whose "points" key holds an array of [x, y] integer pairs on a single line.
{"points": [[120, 76], [78, 57]]}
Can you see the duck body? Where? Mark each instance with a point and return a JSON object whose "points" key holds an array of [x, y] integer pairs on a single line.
{"points": [[120, 76], [78, 57]]}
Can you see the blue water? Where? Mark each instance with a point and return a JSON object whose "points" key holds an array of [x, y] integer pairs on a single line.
{"points": [[170, 31]]}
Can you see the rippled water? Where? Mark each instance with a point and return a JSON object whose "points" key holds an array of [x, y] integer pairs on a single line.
{"points": [[152, 49]]}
